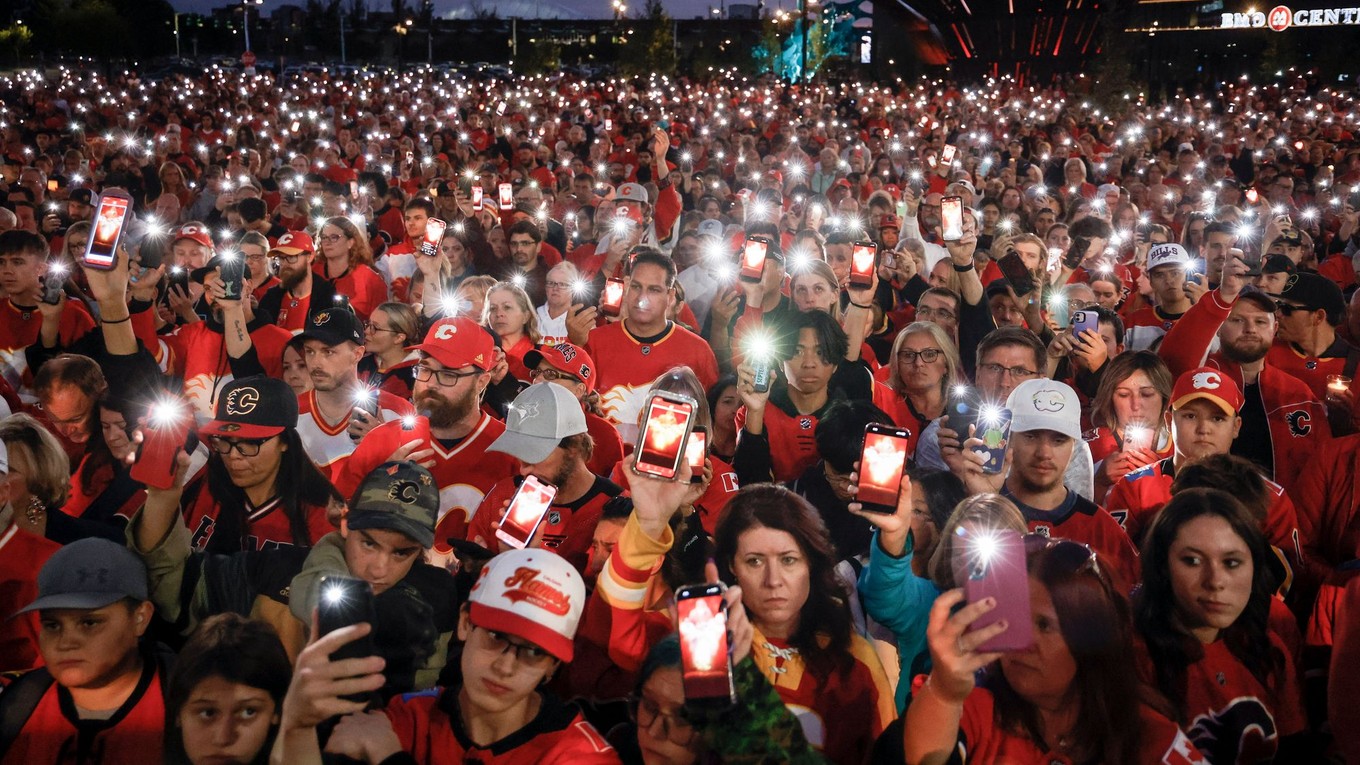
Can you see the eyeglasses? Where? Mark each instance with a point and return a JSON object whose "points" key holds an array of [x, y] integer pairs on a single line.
{"points": [[645, 712], [371, 327], [1288, 309], [926, 312], [527, 654], [246, 447], [331, 238], [927, 356], [1019, 373], [557, 285], [445, 377], [289, 259], [553, 374]]}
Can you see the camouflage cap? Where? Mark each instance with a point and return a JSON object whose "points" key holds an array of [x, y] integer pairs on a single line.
{"points": [[400, 497]]}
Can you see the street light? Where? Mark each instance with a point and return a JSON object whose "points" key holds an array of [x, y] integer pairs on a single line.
{"points": [[620, 8], [245, 12]]}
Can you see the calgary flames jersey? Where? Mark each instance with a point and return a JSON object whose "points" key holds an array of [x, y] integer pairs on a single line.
{"points": [[628, 365]]}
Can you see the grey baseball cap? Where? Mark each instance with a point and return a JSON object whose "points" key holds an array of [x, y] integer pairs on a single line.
{"points": [[541, 416], [88, 574], [400, 497]]}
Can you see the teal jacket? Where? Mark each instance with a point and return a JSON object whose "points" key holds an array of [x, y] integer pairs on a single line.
{"points": [[898, 599]]}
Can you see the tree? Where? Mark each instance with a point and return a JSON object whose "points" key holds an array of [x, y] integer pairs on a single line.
{"points": [[95, 28], [16, 37], [653, 51]]}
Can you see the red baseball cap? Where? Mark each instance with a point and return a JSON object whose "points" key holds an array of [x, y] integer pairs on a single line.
{"points": [[458, 343], [890, 221], [565, 357], [1211, 385], [294, 243], [195, 231]]}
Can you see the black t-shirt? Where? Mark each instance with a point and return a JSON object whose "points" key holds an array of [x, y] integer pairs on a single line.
{"points": [[1253, 442]]}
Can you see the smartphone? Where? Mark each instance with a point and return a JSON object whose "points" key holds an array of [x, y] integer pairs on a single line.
{"points": [[163, 436], [343, 601], [996, 569], [948, 154], [696, 454], [526, 512], [178, 277], [882, 459], [665, 435], [233, 272], [101, 252], [933, 162], [608, 125], [52, 184], [863, 261], [477, 193], [1084, 320], [611, 300], [507, 198], [410, 159], [434, 232], [705, 659], [753, 255], [1253, 196], [54, 283], [951, 214], [994, 428], [962, 410], [1016, 273], [764, 375], [500, 109], [1060, 308]]}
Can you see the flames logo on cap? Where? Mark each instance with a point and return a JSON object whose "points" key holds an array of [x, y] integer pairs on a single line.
{"points": [[403, 491], [1206, 381], [321, 317], [525, 586], [1049, 401], [242, 401]]}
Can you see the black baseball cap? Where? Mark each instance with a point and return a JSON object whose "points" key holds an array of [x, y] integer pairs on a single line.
{"points": [[1315, 292], [397, 496], [334, 326], [82, 196], [253, 407], [1279, 264]]}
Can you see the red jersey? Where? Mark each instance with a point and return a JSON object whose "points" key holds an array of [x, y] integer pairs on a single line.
{"points": [[720, 491], [267, 526], [983, 740], [364, 287], [22, 555], [1081, 520], [627, 366], [792, 438], [134, 733], [265, 286], [841, 714], [514, 359], [1329, 506], [293, 312], [198, 353], [328, 443], [567, 529], [1313, 370], [1229, 714], [20, 327], [608, 450], [1137, 498], [397, 266], [464, 471], [431, 731]]}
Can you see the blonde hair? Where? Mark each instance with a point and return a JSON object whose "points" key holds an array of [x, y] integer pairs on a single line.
{"points": [[990, 511], [525, 304], [47, 468], [947, 348]]}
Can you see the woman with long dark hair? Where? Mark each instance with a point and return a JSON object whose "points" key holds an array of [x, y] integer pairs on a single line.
{"points": [[225, 693], [1073, 696], [774, 544], [1203, 615]]}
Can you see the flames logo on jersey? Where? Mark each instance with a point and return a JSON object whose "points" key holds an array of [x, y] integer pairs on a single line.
{"points": [[1300, 423], [1241, 732]]}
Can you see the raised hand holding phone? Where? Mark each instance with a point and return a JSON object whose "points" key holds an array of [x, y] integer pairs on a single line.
{"points": [[893, 527]]}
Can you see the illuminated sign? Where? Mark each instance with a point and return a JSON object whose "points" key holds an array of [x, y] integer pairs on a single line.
{"points": [[1281, 18]]}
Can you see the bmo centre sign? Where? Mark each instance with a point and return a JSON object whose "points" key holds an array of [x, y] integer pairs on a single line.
{"points": [[1281, 17]]}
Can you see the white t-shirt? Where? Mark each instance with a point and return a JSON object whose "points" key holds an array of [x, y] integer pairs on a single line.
{"points": [[554, 331]]}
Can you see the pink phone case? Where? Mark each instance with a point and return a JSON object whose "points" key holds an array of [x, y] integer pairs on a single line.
{"points": [[1003, 575]]}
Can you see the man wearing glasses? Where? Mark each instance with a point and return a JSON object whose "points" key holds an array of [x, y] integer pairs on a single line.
{"points": [[1310, 308], [450, 380]]}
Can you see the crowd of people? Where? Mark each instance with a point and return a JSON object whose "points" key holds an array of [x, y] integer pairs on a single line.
{"points": [[455, 287]]}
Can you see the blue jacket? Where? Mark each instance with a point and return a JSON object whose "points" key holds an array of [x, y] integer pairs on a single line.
{"points": [[900, 600]]}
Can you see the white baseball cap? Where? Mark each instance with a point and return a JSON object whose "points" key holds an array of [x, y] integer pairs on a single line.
{"points": [[1044, 404], [1170, 254], [532, 594]]}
